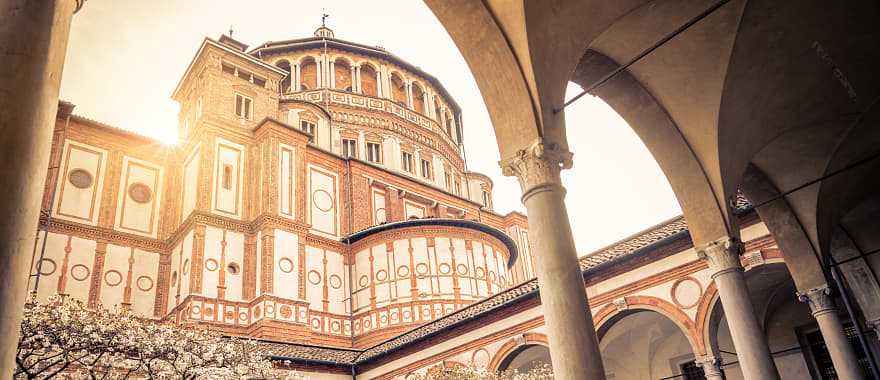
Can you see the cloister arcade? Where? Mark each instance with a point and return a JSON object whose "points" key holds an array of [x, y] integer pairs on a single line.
{"points": [[774, 100]]}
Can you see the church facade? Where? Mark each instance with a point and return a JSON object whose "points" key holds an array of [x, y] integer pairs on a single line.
{"points": [[320, 202]]}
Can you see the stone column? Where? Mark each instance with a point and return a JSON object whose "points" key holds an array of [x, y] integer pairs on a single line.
{"points": [[842, 354], [572, 336], [711, 367], [748, 337], [33, 43]]}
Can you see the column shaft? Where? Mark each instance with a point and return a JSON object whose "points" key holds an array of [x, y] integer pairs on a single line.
{"points": [[846, 364], [33, 43], [748, 336], [574, 347]]}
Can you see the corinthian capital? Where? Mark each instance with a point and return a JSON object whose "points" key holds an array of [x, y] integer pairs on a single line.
{"points": [[537, 165], [722, 255], [819, 299], [711, 366]]}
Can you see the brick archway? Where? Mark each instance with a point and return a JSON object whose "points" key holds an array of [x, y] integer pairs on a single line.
{"points": [[513, 345], [611, 313]]}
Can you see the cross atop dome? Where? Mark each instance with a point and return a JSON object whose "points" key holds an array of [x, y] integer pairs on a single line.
{"points": [[324, 31]]}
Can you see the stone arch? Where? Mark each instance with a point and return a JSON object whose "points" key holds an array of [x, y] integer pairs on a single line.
{"points": [[418, 95], [608, 315], [308, 69], [705, 214], [438, 109], [342, 70], [284, 64], [369, 79], [397, 90], [514, 346]]}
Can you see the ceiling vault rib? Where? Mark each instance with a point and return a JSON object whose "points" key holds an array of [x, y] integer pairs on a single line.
{"points": [[644, 53]]}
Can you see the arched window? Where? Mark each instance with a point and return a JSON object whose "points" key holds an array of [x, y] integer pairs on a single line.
{"points": [[308, 73], [526, 358], [285, 83], [418, 98], [369, 80], [398, 90], [342, 74], [437, 109]]}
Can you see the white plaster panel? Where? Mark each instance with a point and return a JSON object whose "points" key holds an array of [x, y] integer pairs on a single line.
{"points": [[378, 212], [286, 282], [315, 277], [132, 215], [74, 203], [412, 209], [337, 283], [259, 251], [144, 281], [211, 261], [186, 264], [234, 256], [50, 271], [115, 273], [323, 196], [79, 268], [175, 276], [286, 181], [190, 182], [228, 171]]}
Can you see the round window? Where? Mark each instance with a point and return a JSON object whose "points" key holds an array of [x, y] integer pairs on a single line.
{"points": [[80, 178], [140, 193], [232, 268]]}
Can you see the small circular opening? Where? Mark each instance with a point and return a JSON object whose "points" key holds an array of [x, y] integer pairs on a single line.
{"points": [[232, 268]]}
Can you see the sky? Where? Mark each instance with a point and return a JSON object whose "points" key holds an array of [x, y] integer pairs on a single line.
{"points": [[126, 56]]}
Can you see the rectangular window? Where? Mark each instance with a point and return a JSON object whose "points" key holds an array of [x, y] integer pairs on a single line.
{"points": [[426, 169], [406, 162], [448, 182], [349, 148], [374, 152], [243, 106], [457, 187], [310, 128], [227, 177], [485, 198]]}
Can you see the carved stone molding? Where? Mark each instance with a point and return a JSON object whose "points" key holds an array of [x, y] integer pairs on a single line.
{"points": [[537, 165], [819, 299], [711, 366], [722, 255], [620, 304]]}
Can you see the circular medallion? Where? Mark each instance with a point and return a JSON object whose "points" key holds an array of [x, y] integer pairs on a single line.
{"points": [[444, 268], [368, 323], [144, 283], [229, 315], [174, 278], [233, 268], [364, 281], [211, 264], [480, 272], [686, 292], [422, 269], [492, 276], [335, 281], [334, 326], [383, 319], [381, 275], [140, 193], [80, 178], [257, 312], [314, 277], [402, 271], [112, 277], [285, 265], [186, 267], [196, 310], [407, 314], [316, 323], [480, 358], [79, 272], [322, 200], [380, 216], [285, 311], [47, 267], [208, 310], [270, 310], [394, 316], [462, 269], [242, 316]]}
